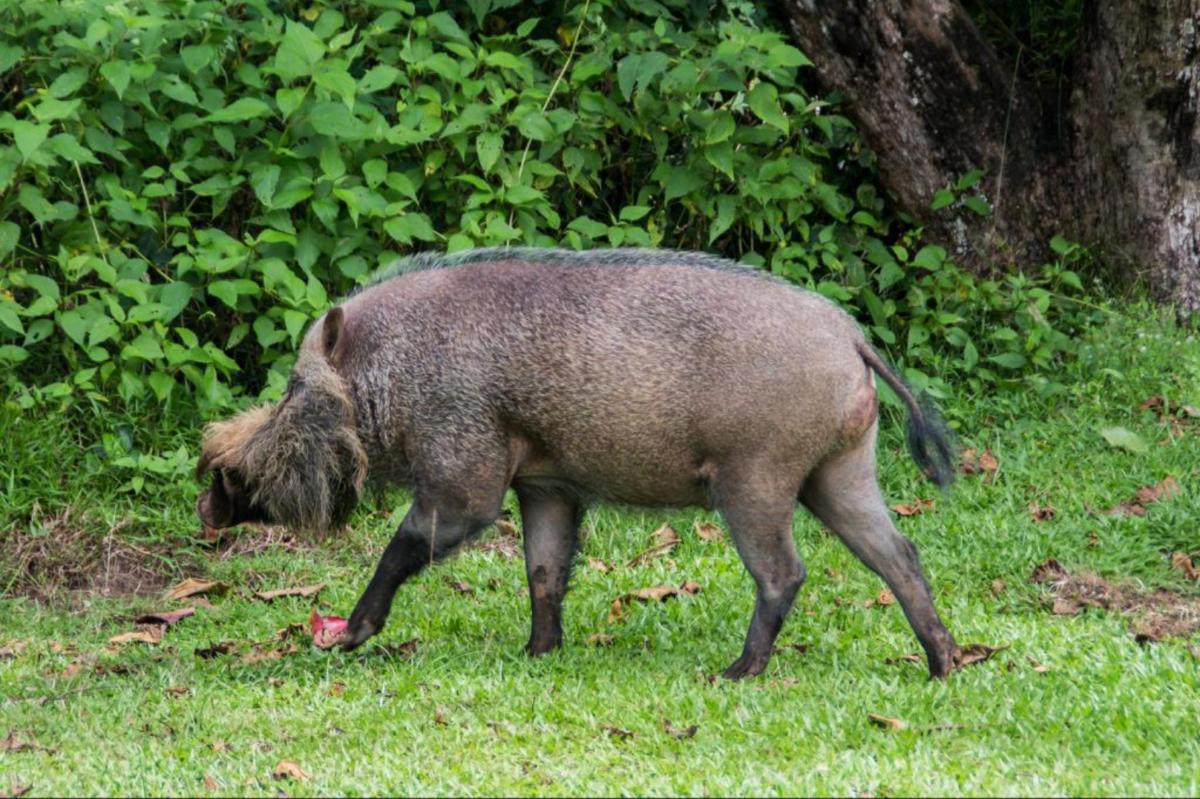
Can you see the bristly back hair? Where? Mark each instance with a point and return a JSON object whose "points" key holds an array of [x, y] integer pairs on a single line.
{"points": [[617, 256]]}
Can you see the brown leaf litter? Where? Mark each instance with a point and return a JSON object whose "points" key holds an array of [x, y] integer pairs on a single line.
{"points": [[278, 593], [657, 593], [914, 508], [665, 539], [1152, 615], [984, 462], [1166, 489]]}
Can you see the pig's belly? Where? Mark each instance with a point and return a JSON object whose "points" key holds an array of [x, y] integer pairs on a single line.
{"points": [[646, 481]]}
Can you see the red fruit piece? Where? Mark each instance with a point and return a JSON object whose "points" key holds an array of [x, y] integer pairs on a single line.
{"points": [[327, 631]]}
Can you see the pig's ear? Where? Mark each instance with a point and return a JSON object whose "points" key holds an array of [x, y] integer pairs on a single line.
{"points": [[203, 464], [331, 329]]}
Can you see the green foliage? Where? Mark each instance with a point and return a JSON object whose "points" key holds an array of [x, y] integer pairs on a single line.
{"points": [[183, 188]]}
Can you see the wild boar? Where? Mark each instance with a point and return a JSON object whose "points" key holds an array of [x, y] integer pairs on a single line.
{"points": [[649, 378]]}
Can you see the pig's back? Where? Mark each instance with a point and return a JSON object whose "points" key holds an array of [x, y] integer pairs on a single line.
{"points": [[628, 379]]}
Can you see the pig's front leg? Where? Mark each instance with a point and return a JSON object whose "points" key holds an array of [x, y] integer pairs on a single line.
{"points": [[430, 531]]}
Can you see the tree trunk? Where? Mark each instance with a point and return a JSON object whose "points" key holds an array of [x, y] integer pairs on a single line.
{"points": [[1137, 153], [933, 100]]}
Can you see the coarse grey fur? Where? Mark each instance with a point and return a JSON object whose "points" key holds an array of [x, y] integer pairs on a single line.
{"points": [[632, 376]]}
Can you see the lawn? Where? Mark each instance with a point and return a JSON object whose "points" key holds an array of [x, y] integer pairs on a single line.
{"points": [[448, 704]]}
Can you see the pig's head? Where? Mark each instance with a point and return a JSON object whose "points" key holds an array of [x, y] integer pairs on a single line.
{"points": [[298, 462]]}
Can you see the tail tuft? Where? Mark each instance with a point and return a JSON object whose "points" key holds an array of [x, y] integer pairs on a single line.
{"points": [[931, 443]]}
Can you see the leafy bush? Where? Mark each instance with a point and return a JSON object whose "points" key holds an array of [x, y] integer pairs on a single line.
{"points": [[184, 186]]}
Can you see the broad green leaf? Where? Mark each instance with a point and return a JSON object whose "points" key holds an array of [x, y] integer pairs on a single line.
{"points": [[336, 81], [969, 180], [51, 109], [764, 102], [9, 319], [720, 129], [930, 257], [225, 291], [196, 57], [1009, 360], [289, 100], [941, 198], [29, 136], [1125, 439], [375, 171], [240, 110], [378, 78], [299, 50], [10, 233], [117, 74], [632, 213], [264, 180], [145, 346]]}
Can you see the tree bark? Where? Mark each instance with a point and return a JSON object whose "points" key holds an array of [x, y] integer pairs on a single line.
{"points": [[1117, 169], [1137, 153]]}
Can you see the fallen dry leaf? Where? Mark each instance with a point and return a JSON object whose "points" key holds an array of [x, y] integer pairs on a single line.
{"points": [[506, 528], [1037, 667], [1167, 488], [911, 657], [275, 682], [13, 648], [1163, 407], [210, 784], [337, 689], [194, 587], [617, 732], [15, 744], [145, 635], [291, 631], [327, 631], [707, 531], [795, 647], [887, 722], [1183, 563], [177, 690], [1041, 513], [616, 611], [971, 462], [221, 746], [598, 565], [679, 732], [884, 599], [404, 649], [665, 539], [600, 639], [212, 650], [914, 508], [262, 653], [168, 618], [461, 586], [1048, 570], [287, 770], [73, 668], [304, 590], [439, 718], [15, 790], [971, 654], [997, 587]]}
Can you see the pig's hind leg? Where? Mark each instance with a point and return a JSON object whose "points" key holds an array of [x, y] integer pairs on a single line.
{"points": [[550, 520], [843, 493], [758, 504]]}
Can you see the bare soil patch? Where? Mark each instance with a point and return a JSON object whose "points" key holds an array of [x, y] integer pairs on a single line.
{"points": [[65, 557], [1152, 615]]}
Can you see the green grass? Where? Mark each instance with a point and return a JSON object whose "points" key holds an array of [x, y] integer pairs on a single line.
{"points": [[468, 713]]}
